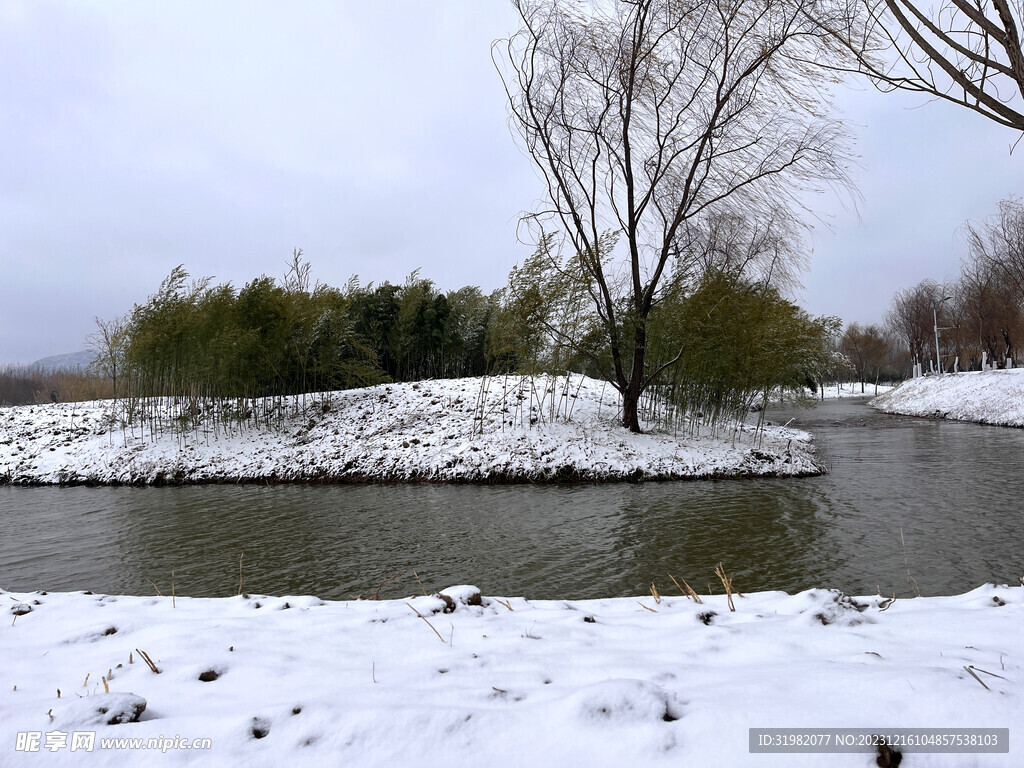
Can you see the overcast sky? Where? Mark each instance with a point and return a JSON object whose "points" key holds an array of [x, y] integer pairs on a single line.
{"points": [[136, 136]]}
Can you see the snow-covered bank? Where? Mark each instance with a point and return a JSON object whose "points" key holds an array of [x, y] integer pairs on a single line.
{"points": [[828, 392], [462, 430], [274, 681], [986, 397]]}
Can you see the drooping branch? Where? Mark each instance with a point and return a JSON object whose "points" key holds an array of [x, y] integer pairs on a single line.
{"points": [[964, 51]]}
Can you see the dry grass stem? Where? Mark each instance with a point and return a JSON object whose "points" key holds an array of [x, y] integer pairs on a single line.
{"points": [[173, 604], [149, 661], [240, 573], [420, 583], [645, 607], [106, 688], [727, 583], [986, 672], [970, 671], [655, 594], [688, 591], [439, 637], [376, 595], [506, 603]]}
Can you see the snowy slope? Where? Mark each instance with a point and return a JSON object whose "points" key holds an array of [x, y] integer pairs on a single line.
{"points": [[987, 397], [461, 430], [294, 681]]}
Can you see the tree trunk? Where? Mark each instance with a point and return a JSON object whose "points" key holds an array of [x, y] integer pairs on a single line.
{"points": [[631, 394], [630, 410]]}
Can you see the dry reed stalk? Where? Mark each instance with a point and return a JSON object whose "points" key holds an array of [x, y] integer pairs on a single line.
{"points": [[506, 603], [970, 671], [149, 661], [439, 637], [420, 583], [645, 607], [106, 688], [727, 583], [173, 604], [688, 592], [655, 594], [240, 573]]}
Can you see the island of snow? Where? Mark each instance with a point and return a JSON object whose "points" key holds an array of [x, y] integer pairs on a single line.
{"points": [[986, 397], [459, 679], [501, 429]]}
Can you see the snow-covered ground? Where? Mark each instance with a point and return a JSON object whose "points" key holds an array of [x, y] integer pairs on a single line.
{"points": [[987, 397], [457, 430], [851, 389], [294, 681]]}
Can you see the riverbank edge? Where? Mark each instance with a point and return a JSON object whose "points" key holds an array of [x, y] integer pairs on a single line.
{"points": [[568, 477], [992, 398], [435, 432]]}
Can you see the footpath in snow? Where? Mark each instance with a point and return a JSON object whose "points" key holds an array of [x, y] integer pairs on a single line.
{"points": [[456, 679], [986, 397], [502, 429]]}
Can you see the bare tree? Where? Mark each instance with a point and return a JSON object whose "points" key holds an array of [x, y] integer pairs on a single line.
{"points": [[999, 243], [648, 119], [854, 346], [992, 280], [910, 318], [107, 343], [866, 346], [964, 51]]}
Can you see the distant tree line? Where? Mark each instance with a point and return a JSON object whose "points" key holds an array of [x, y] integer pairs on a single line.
{"points": [[980, 314], [22, 385]]}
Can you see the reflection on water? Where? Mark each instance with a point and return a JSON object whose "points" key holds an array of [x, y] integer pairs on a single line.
{"points": [[953, 489]]}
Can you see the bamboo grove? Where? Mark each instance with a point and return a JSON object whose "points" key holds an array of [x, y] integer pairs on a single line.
{"points": [[203, 353]]}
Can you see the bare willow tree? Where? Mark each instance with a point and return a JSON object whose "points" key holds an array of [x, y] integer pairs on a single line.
{"points": [[650, 118], [998, 242], [964, 51]]}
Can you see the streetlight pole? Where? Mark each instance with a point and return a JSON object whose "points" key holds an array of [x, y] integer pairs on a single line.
{"points": [[935, 316]]}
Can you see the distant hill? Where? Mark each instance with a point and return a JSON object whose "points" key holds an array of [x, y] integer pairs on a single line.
{"points": [[72, 361]]}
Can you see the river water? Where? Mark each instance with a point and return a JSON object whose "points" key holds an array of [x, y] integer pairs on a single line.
{"points": [[910, 505]]}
